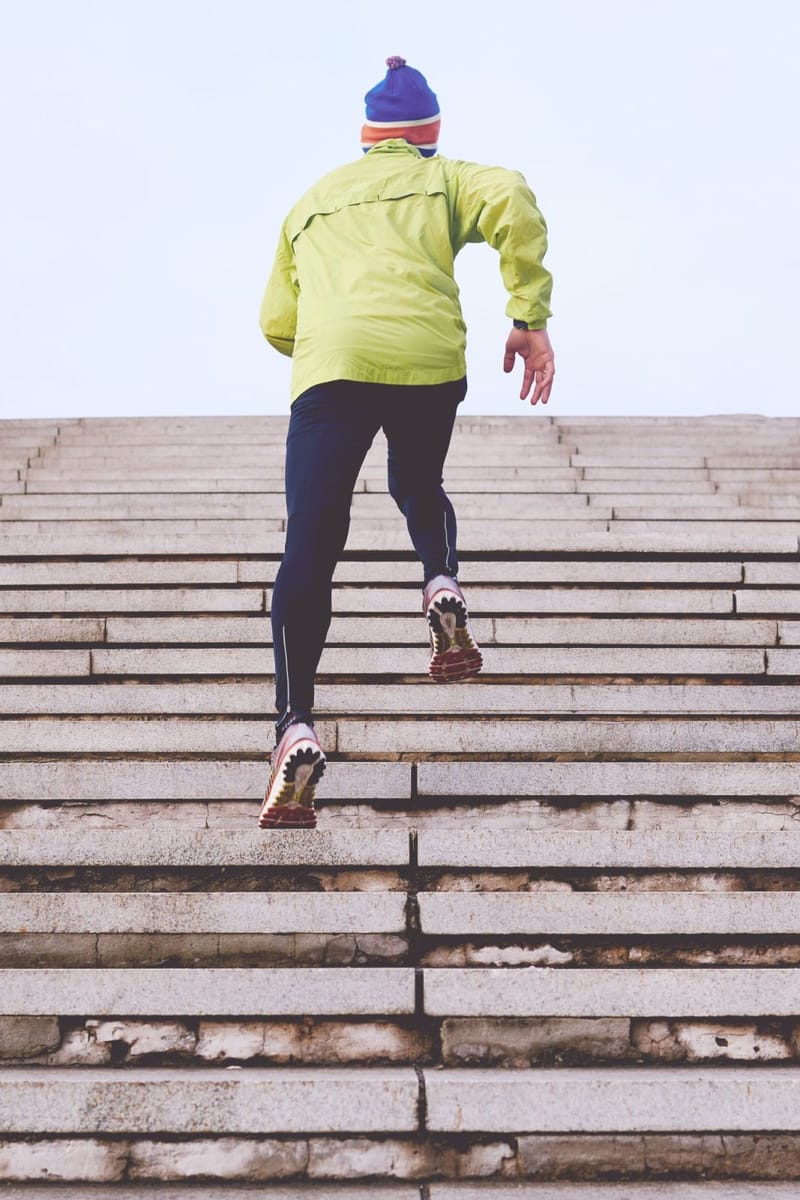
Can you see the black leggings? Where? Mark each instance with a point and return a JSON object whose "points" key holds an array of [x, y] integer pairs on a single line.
{"points": [[330, 431]]}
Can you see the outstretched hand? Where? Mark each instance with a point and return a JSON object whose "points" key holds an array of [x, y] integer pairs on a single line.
{"points": [[533, 347]]}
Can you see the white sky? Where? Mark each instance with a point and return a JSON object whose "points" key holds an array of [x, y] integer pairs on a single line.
{"points": [[150, 150]]}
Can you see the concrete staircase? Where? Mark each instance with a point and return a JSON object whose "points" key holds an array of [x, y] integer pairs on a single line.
{"points": [[545, 942]]}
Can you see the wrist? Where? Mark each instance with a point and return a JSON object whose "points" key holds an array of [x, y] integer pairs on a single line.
{"points": [[527, 327]]}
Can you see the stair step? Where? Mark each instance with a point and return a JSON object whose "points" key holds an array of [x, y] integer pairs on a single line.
{"points": [[211, 912], [239, 991], [212, 848], [597, 992], [180, 735], [258, 1100], [603, 914], [622, 1100], [418, 699]]}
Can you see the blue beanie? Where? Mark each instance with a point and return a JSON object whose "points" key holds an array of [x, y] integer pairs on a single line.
{"points": [[402, 105]]}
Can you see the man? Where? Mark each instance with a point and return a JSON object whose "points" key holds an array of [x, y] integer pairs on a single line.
{"points": [[362, 296]]}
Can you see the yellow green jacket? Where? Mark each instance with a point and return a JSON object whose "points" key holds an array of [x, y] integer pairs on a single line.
{"points": [[362, 286]]}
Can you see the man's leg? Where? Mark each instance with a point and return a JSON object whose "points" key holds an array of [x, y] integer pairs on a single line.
{"points": [[418, 422], [330, 430], [419, 425]]}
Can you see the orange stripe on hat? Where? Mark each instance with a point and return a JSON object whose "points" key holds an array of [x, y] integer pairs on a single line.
{"points": [[418, 134]]}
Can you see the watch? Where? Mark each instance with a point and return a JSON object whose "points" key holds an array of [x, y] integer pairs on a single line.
{"points": [[521, 325]]}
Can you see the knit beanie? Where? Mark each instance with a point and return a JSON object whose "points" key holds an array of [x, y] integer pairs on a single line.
{"points": [[402, 106]]}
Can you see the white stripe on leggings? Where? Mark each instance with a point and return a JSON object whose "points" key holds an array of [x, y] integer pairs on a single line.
{"points": [[446, 542], [288, 681]]}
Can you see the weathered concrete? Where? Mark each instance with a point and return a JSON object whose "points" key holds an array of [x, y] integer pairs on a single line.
{"points": [[293, 991], [619, 1100], [554, 992], [602, 913], [213, 912], [208, 1101]]}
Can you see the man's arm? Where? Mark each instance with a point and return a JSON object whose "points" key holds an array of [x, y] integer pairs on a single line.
{"points": [[278, 316], [494, 205]]}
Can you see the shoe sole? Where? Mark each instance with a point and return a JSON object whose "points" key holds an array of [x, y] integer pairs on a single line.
{"points": [[292, 799], [454, 653]]}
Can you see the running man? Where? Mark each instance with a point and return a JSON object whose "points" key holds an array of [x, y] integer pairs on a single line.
{"points": [[362, 297]]}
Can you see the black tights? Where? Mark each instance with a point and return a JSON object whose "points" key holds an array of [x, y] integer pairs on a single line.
{"points": [[331, 429]]}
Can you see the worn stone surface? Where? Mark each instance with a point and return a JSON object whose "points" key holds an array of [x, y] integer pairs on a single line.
{"points": [[396, 1159], [520, 1043], [312, 1041], [89, 1159], [218, 1158], [26, 1036], [699, 1156], [696, 1041]]}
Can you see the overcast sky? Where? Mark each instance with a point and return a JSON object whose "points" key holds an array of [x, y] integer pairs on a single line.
{"points": [[150, 150]]}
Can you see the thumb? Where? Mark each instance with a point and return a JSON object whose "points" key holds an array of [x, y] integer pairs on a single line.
{"points": [[508, 361]]}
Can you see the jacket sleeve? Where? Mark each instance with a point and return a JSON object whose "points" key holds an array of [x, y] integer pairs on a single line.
{"points": [[278, 316], [494, 205]]}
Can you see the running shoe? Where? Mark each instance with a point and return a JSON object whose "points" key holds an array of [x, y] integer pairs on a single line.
{"points": [[454, 652], [297, 765]]}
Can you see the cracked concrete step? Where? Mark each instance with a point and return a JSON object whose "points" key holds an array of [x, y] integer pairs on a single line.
{"points": [[88, 573], [189, 781], [264, 1191], [368, 660], [465, 1190], [43, 600], [178, 735], [210, 537], [665, 993], [490, 1190], [601, 914], [418, 699], [210, 912], [83, 506], [258, 1100], [620, 1100], [210, 991], [474, 779], [192, 780], [394, 631], [166, 846], [370, 600], [603, 850]]}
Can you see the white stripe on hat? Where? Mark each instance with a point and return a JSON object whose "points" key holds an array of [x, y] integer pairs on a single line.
{"points": [[403, 124]]}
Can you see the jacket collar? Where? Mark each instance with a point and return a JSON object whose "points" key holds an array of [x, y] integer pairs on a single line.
{"points": [[394, 146]]}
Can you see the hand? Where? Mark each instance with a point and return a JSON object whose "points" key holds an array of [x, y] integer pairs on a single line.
{"points": [[533, 346]]}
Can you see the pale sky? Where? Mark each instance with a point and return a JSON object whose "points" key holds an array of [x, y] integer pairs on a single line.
{"points": [[151, 148]]}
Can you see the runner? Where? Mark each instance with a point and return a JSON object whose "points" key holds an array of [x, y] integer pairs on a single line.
{"points": [[363, 298]]}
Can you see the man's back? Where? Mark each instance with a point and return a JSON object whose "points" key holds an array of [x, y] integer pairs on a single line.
{"points": [[363, 284]]}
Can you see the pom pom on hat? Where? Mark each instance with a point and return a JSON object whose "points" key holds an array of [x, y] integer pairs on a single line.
{"points": [[402, 106]]}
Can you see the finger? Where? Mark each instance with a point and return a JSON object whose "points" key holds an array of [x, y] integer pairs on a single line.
{"points": [[527, 379], [544, 386], [508, 361]]}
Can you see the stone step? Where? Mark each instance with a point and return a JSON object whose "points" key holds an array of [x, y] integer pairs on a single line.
{"points": [[190, 781], [209, 912], [547, 735], [239, 991], [206, 538], [490, 1190], [187, 781], [529, 849], [167, 846], [661, 512], [395, 631], [390, 991], [568, 660], [131, 571], [205, 1100], [482, 600], [416, 699], [623, 1099], [474, 779], [602, 914], [598, 992], [217, 1157]]}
